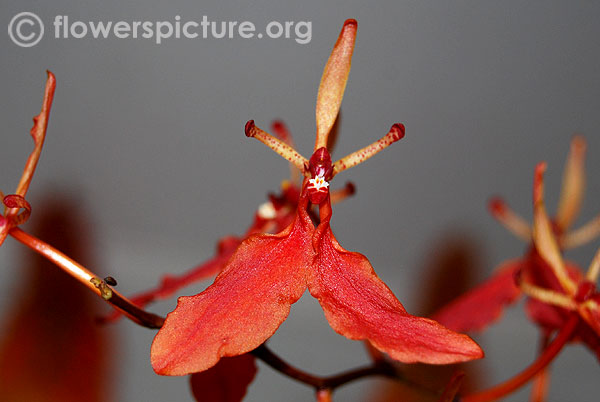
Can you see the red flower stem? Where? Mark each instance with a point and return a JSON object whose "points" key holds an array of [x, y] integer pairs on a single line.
{"points": [[266, 355], [89, 279], [526, 375]]}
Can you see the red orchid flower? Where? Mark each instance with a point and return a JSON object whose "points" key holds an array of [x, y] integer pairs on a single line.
{"points": [[272, 216], [484, 304], [552, 301], [253, 294]]}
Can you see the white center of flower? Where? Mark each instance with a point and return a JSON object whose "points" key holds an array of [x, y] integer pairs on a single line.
{"points": [[318, 183]]}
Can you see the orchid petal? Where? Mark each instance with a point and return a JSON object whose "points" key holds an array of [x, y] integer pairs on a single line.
{"points": [[341, 194], [245, 305], [333, 82], [543, 236], [277, 145], [281, 131], [584, 333], [573, 185], [358, 305], [581, 235], [538, 273], [594, 269], [547, 316], [509, 218], [396, 133], [227, 381], [170, 284], [483, 305], [590, 312]]}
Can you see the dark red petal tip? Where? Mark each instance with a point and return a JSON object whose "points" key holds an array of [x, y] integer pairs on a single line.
{"points": [[399, 130], [497, 206], [350, 21], [249, 128], [538, 182], [351, 188], [276, 124]]}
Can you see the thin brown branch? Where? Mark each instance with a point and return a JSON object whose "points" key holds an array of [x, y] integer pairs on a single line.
{"points": [[382, 368]]}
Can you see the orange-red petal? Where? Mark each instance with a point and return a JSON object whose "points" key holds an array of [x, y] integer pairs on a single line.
{"points": [[573, 185], [358, 305], [169, 284], [245, 305], [225, 382], [484, 304], [333, 82]]}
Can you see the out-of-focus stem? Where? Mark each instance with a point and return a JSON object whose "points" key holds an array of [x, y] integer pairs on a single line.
{"points": [[539, 390], [324, 395], [526, 375], [87, 278], [380, 368]]}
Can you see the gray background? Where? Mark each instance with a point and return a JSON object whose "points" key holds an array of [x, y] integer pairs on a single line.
{"points": [[149, 138]]}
